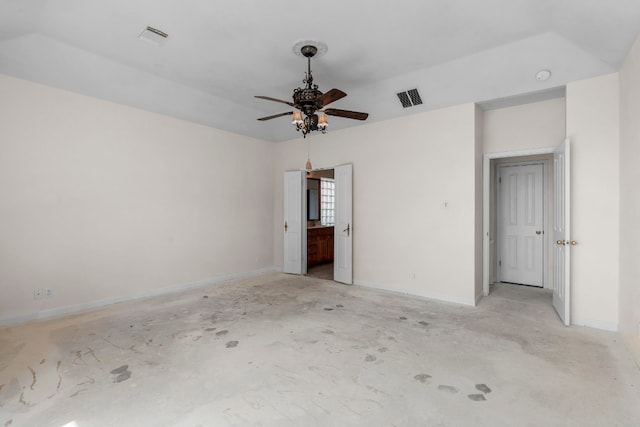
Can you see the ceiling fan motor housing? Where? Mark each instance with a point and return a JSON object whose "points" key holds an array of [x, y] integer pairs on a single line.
{"points": [[307, 100]]}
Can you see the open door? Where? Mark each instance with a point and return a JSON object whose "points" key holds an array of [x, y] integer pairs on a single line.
{"points": [[561, 230], [343, 231], [292, 226]]}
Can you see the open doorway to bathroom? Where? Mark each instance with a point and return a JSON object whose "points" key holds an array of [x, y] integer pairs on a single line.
{"points": [[320, 223]]}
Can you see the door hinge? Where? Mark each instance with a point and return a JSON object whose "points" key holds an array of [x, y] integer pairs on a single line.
{"points": [[500, 263], [500, 180]]}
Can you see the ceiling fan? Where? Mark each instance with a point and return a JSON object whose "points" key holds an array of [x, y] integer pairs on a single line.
{"points": [[310, 101]]}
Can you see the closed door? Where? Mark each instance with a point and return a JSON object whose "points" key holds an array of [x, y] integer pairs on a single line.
{"points": [[521, 224]]}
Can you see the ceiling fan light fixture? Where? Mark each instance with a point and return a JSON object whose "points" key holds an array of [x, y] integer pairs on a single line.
{"points": [[322, 123], [297, 118]]}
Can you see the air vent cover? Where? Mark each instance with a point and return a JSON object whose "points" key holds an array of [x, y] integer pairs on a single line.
{"points": [[409, 98], [153, 35]]}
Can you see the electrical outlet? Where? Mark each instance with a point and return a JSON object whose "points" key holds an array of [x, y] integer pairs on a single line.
{"points": [[49, 292], [37, 293]]}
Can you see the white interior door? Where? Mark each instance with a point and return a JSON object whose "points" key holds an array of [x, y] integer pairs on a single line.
{"points": [[292, 226], [521, 224], [561, 232], [343, 231]]}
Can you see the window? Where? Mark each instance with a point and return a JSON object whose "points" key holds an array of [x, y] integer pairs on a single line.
{"points": [[327, 201]]}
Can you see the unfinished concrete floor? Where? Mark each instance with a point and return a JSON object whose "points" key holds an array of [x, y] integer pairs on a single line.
{"points": [[279, 350]]}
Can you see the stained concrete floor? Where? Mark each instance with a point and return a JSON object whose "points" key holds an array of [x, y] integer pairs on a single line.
{"points": [[280, 350]]}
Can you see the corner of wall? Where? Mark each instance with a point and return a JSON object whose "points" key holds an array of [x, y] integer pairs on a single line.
{"points": [[629, 172], [479, 199]]}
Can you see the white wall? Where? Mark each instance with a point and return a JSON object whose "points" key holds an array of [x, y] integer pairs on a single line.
{"points": [[593, 126], [630, 199], [101, 202], [404, 169], [520, 128], [525, 127]]}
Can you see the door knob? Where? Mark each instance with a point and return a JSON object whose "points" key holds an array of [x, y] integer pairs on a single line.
{"points": [[348, 229], [538, 231], [573, 243], [561, 242]]}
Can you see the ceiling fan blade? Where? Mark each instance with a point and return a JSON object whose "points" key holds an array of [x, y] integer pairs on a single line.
{"points": [[346, 113], [288, 113], [331, 96], [268, 98]]}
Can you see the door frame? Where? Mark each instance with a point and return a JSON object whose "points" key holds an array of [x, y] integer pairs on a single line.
{"points": [[304, 216], [545, 207], [335, 236], [486, 201]]}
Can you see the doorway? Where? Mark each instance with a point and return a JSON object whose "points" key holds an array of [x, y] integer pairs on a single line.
{"points": [[518, 254], [295, 224], [320, 223], [557, 246], [521, 223]]}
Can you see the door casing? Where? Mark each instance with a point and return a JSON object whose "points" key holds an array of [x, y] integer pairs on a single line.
{"points": [[486, 204]]}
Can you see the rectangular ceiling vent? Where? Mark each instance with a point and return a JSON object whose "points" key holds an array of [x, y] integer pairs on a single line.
{"points": [[153, 35], [409, 98]]}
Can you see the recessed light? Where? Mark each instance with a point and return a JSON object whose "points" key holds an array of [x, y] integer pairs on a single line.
{"points": [[543, 75]]}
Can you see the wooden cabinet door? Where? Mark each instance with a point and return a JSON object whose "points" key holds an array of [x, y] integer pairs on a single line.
{"points": [[319, 245], [312, 248], [322, 248], [330, 246]]}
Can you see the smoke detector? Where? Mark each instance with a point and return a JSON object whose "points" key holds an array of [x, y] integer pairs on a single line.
{"points": [[543, 75]]}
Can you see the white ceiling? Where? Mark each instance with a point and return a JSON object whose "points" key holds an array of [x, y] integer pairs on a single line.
{"points": [[220, 54]]}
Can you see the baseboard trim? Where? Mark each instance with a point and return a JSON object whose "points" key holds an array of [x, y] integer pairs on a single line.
{"points": [[78, 308], [597, 324], [633, 344], [426, 296]]}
